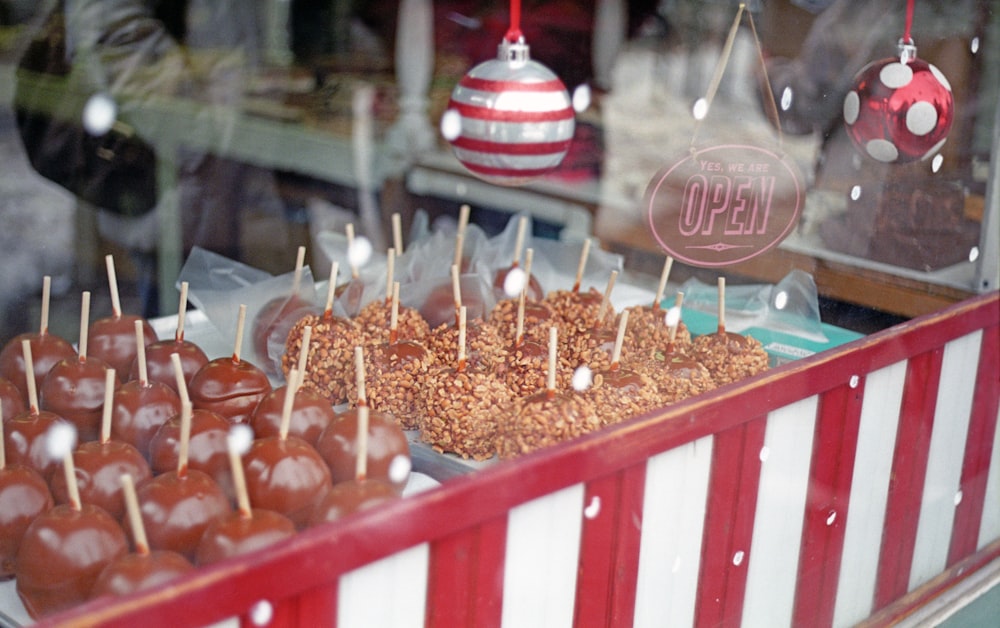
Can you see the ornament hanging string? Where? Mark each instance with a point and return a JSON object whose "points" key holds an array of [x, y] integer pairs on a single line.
{"points": [[514, 33], [769, 104], [907, 39]]}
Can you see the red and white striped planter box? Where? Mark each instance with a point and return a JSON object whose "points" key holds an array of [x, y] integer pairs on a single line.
{"points": [[852, 486]]}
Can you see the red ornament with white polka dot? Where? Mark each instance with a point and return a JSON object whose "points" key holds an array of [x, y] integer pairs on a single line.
{"points": [[900, 109], [509, 119]]}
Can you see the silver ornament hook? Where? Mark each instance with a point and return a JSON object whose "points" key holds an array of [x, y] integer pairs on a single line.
{"points": [[907, 50], [513, 52]]}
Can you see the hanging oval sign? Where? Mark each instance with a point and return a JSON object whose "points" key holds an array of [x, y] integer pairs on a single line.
{"points": [[724, 204]]}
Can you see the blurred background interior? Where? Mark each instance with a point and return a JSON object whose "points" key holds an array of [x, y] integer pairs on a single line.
{"points": [[262, 141]]}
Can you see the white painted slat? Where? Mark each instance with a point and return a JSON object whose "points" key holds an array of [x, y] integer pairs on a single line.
{"points": [[944, 462], [540, 563], [781, 499], [989, 531], [388, 592], [869, 492], [673, 520]]}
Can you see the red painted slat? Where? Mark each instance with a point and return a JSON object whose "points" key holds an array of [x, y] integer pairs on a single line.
{"points": [[465, 577], [732, 501], [609, 549], [978, 449], [909, 468], [832, 470]]}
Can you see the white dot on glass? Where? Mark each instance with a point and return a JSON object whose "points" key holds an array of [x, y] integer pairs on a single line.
{"points": [[261, 613], [461, 189], [593, 508], [99, 114], [958, 498], [673, 316], [896, 75], [700, 109], [451, 125], [240, 438], [60, 440], [855, 380], [973, 253], [852, 107], [781, 300], [582, 378], [765, 453], [738, 558], [921, 118], [399, 469], [359, 252], [855, 192], [974, 45], [786, 99], [581, 98], [831, 517], [514, 282], [936, 162], [882, 150]]}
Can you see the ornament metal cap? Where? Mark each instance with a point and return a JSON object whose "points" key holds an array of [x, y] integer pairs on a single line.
{"points": [[513, 51], [907, 50]]}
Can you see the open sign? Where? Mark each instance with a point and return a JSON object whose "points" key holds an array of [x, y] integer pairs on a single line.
{"points": [[724, 204]]}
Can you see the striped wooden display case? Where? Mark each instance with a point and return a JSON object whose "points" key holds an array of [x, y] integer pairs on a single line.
{"points": [[853, 486]]}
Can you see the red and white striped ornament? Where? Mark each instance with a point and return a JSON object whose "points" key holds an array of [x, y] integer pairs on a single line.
{"points": [[509, 119]]}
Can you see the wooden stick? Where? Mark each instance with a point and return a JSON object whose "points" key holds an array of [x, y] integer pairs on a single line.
{"points": [[616, 353], [182, 389], [722, 305], [46, 296], [140, 355], [349, 231], [331, 290], [185, 438], [134, 515], [606, 299], [109, 399], [456, 289], [241, 320], [72, 488], [84, 324], [667, 264], [361, 460], [584, 253], [359, 375], [397, 233], [286, 409], [304, 349], [463, 223], [553, 358], [519, 325], [300, 263], [116, 304], [239, 478], [390, 265], [29, 373], [394, 314], [461, 339], [529, 256], [522, 229], [181, 312]]}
